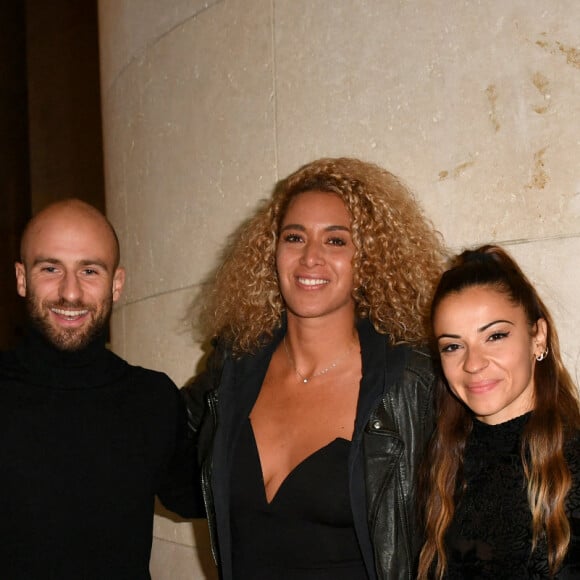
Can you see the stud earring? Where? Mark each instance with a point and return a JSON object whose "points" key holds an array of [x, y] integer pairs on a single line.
{"points": [[542, 356]]}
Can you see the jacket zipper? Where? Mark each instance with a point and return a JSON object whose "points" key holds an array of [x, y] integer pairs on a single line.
{"points": [[205, 485]]}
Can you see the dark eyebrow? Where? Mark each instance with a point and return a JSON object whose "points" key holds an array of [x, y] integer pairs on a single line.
{"points": [[447, 336], [99, 263], [303, 229], [480, 329], [486, 326], [41, 260]]}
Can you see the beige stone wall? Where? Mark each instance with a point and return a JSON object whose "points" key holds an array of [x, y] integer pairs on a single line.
{"points": [[207, 103]]}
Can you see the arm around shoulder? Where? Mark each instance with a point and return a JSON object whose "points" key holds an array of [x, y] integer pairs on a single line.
{"points": [[195, 393], [187, 499], [180, 490]]}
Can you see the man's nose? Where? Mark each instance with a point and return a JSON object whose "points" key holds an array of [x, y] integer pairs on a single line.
{"points": [[70, 288]]}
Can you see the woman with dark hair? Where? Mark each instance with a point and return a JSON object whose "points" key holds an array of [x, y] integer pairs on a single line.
{"points": [[502, 475], [316, 404]]}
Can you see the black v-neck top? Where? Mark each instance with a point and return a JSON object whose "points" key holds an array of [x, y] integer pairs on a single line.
{"points": [[306, 531]]}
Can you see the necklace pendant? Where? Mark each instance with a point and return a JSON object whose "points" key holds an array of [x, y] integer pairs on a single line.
{"points": [[304, 381]]}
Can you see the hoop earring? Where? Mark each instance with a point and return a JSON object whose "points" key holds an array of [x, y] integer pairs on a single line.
{"points": [[542, 356]]}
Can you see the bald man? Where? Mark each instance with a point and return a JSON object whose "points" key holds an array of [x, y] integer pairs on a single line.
{"points": [[86, 440]]}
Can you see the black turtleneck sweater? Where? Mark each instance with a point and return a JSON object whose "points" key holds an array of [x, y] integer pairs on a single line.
{"points": [[86, 441], [491, 533]]}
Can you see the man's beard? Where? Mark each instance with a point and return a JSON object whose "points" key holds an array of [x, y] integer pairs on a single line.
{"points": [[68, 339]]}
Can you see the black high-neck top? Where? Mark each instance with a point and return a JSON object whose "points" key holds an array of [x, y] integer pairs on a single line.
{"points": [[491, 532], [37, 362], [86, 441]]}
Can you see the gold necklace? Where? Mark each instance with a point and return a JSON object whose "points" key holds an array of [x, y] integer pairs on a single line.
{"points": [[319, 373]]}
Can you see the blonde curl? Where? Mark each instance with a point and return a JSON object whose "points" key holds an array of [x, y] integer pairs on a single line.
{"points": [[398, 257]]}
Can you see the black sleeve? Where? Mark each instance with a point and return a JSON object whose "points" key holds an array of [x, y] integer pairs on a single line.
{"points": [[195, 393], [180, 490], [184, 495]]}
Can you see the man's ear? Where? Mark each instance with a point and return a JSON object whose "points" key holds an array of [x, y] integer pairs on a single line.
{"points": [[118, 283], [20, 278]]}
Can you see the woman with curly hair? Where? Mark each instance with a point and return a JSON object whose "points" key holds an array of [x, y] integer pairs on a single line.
{"points": [[316, 402], [502, 475]]}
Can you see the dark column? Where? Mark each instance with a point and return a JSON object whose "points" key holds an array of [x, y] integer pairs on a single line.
{"points": [[66, 158], [50, 124], [14, 163]]}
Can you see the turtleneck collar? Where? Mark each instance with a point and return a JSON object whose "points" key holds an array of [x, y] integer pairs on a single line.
{"points": [[37, 361]]}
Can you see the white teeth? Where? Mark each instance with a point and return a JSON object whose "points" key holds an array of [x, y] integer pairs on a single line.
{"points": [[312, 281], [69, 313]]}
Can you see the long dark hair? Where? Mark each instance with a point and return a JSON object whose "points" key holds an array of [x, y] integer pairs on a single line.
{"points": [[555, 418]]}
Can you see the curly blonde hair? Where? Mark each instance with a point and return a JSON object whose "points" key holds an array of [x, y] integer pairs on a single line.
{"points": [[398, 257]]}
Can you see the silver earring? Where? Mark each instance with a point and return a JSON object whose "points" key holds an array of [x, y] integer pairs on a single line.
{"points": [[542, 356]]}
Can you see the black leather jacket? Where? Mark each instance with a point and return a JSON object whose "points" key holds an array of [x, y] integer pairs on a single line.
{"points": [[395, 418]]}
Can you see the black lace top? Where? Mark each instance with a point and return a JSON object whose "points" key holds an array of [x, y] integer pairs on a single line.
{"points": [[491, 534]]}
